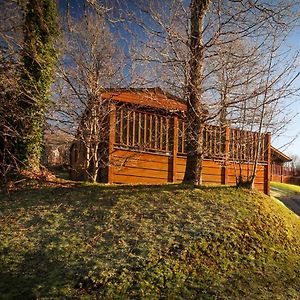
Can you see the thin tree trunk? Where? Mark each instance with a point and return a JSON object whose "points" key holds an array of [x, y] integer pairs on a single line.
{"points": [[195, 112]]}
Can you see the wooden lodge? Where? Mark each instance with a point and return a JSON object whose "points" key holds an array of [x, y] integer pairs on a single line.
{"points": [[145, 143], [279, 171]]}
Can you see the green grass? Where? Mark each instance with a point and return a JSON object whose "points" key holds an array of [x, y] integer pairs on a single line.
{"points": [[289, 188], [141, 242]]}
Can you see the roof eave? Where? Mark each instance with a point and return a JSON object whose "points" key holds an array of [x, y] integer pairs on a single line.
{"points": [[284, 157]]}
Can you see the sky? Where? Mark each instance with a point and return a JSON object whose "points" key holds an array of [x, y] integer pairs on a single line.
{"points": [[289, 140]]}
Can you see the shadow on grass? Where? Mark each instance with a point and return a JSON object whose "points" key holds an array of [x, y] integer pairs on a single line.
{"points": [[84, 192], [58, 242], [63, 224], [39, 275]]}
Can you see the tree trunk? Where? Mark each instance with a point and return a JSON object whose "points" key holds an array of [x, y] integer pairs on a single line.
{"points": [[39, 56], [195, 111]]}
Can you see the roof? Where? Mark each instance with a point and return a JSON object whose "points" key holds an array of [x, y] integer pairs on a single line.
{"points": [[151, 97], [278, 155], [57, 138]]}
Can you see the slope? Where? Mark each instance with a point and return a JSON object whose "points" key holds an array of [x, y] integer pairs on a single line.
{"points": [[147, 242]]}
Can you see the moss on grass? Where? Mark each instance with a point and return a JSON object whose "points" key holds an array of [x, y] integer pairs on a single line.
{"points": [[147, 242]]}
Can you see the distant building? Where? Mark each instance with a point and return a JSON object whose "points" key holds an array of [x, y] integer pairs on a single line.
{"points": [[56, 151], [281, 169]]}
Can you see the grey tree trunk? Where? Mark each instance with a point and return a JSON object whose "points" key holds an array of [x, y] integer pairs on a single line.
{"points": [[195, 111]]}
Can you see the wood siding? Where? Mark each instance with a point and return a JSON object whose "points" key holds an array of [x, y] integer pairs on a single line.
{"points": [[280, 173], [148, 145], [132, 167], [150, 148]]}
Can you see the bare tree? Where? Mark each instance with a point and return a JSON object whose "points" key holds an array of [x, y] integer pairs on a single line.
{"points": [[216, 58], [262, 112], [10, 70], [92, 63], [195, 110], [9, 116]]}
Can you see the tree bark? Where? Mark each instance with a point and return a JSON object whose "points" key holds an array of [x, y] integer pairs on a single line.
{"points": [[195, 111], [39, 56]]}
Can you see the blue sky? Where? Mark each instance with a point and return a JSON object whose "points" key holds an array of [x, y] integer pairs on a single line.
{"points": [[289, 141]]}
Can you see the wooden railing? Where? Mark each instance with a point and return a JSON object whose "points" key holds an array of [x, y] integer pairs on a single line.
{"points": [[281, 170], [248, 146], [144, 131], [147, 131]]}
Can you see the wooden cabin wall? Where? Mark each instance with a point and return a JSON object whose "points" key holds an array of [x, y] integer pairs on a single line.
{"points": [[148, 147], [290, 179], [77, 156], [157, 154], [93, 135], [280, 173], [78, 171], [131, 167]]}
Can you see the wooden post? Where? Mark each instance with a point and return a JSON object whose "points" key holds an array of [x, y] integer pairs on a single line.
{"points": [[227, 140], [111, 140], [272, 171], [268, 166], [121, 125], [139, 128], [175, 148], [127, 126], [133, 128], [167, 135]]}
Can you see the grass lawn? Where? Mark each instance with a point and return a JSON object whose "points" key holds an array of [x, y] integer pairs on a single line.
{"points": [[288, 194], [284, 187], [147, 242]]}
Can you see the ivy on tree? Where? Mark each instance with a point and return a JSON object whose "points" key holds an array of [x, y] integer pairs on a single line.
{"points": [[39, 57]]}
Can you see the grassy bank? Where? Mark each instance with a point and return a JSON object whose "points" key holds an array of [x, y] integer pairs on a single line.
{"points": [[173, 242], [284, 187]]}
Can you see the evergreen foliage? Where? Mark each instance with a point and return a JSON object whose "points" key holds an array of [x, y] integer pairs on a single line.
{"points": [[39, 57]]}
